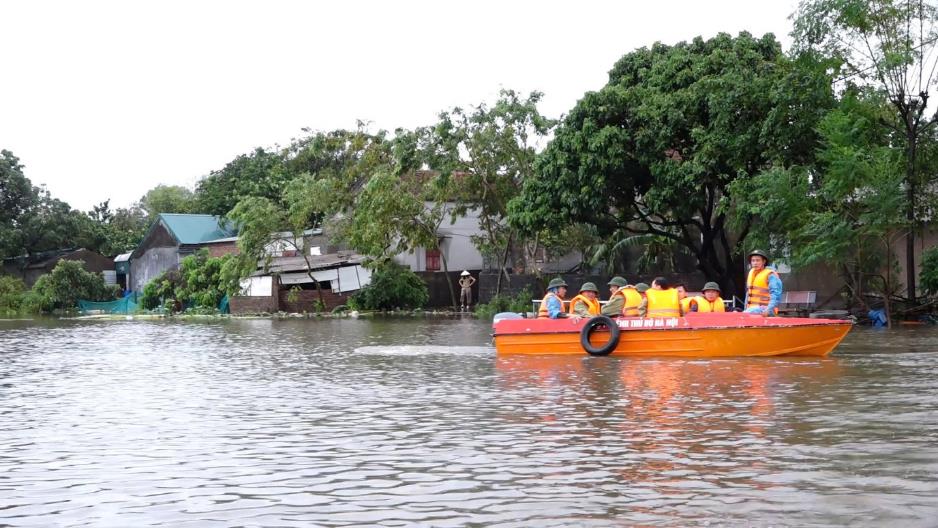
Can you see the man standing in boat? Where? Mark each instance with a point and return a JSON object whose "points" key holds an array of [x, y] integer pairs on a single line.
{"points": [[763, 286], [552, 303]]}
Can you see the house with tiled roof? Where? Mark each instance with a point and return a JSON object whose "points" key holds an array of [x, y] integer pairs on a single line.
{"points": [[173, 237]]}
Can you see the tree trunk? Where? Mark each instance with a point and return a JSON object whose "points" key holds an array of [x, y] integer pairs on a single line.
{"points": [[502, 267], [912, 151], [449, 280]]}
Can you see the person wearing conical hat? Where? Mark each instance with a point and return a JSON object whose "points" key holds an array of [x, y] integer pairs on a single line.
{"points": [[710, 301], [552, 303], [466, 280], [763, 286], [586, 303]]}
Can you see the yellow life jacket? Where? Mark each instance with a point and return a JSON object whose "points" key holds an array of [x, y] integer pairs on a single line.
{"points": [[592, 306], [686, 303], [631, 300], [663, 303], [705, 306], [542, 312], [757, 288]]}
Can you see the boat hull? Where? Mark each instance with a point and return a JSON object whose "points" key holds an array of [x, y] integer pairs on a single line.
{"points": [[696, 335]]}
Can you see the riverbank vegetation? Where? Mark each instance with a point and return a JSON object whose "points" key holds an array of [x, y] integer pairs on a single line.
{"points": [[822, 154]]}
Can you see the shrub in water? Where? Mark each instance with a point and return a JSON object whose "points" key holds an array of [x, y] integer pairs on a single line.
{"points": [[392, 287], [68, 282]]}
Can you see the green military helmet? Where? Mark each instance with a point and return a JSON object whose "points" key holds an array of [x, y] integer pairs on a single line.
{"points": [[758, 253], [642, 287], [589, 286], [712, 286], [556, 283], [618, 281]]}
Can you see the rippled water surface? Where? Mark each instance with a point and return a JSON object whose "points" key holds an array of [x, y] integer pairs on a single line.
{"points": [[417, 423]]}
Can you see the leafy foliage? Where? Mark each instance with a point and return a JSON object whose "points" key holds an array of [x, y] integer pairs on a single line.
{"points": [[518, 303], [392, 287], [655, 151], [929, 274], [168, 199], [65, 285], [12, 291], [888, 47], [199, 283]]}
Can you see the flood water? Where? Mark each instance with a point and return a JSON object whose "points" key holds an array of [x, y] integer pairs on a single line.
{"points": [[402, 422]]}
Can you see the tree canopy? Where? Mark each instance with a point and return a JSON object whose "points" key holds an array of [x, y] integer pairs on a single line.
{"points": [[656, 149]]}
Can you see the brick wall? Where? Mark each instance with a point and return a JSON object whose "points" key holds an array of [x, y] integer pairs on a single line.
{"points": [[222, 249], [249, 305], [306, 299]]}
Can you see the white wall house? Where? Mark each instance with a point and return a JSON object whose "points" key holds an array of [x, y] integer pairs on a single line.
{"points": [[456, 246]]}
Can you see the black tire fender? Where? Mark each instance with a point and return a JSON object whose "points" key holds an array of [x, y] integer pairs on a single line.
{"points": [[590, 327]]}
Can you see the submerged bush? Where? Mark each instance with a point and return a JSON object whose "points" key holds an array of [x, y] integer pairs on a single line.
{"points": [[12, 294], [199, 283], [392, 287], [65, 285], [928, 277], [520, 302]]}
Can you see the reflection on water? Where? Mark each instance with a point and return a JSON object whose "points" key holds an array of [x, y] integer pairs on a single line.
{"points": [[416, 422]]}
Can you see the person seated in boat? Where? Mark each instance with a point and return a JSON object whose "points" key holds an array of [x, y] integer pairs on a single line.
{"points": [[710, 301], [625, 299], [686, 302], [616, 301], [586, 303], [552, 303], [763, 286], [642, 288], [661, 300]]}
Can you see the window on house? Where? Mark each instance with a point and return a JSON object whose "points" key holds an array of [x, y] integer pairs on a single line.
{"points": [[433, 260]]}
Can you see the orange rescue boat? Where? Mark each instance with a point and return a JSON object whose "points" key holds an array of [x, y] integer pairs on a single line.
{"points": [[694, 335]]}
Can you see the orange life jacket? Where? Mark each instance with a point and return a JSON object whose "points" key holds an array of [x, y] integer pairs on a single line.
{"points": [[542, 312], [757, 288], [631, 300], [592, 306], [686, 303], [705, 306], [663, 303]]}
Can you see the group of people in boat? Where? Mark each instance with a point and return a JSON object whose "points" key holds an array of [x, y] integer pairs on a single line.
{"points": [[663, 299]]}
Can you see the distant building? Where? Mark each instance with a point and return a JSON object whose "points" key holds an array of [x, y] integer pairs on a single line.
{"points": [[175, 236], [284, 283], [30, 268], [456, 246]]}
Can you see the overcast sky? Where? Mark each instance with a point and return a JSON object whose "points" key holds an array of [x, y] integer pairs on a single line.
{"points": [[108, 99]]}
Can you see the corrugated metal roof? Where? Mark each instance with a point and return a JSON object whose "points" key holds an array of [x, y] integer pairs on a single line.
{"points": [[123, 257], [195, 228]]}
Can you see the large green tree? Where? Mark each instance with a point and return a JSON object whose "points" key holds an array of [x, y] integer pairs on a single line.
{"points": [[168, 199], [846, 210], [259, 173], [489, 150], [889, 45], [655, 150]]}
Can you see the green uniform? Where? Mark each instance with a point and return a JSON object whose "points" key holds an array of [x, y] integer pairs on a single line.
{"points": [[614, 306]]}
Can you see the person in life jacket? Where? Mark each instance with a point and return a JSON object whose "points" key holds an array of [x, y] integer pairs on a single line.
{"points": [[642, 289], [552, 303], [586, 304], [686, 302], [625, 299], [763, 286], [661, 300], [710, 301]]}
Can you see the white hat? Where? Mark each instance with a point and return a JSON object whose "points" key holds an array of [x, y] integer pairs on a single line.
{"points": [[464, 273]]}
